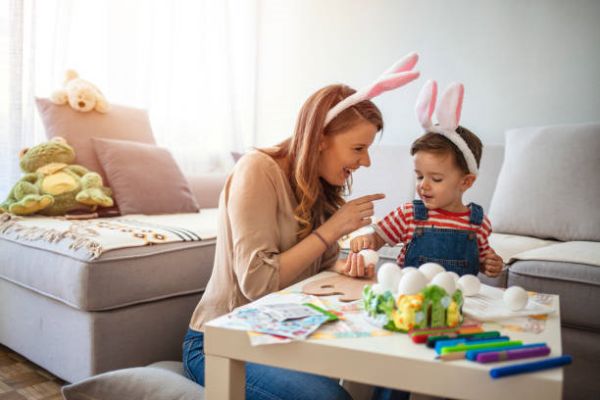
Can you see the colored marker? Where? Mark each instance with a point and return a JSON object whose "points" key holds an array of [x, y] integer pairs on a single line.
{"points": [[330, 316], [432, 340], [472, 354], [515, 354], [421, 335], [440, 344], [530, 366], [466, 347]]}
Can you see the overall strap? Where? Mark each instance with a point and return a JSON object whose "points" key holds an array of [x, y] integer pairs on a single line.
{"points": [[476, 217], [420, 212]]}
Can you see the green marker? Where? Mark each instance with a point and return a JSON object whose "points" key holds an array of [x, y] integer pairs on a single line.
{"points": [[330, 316], [466, 347]]}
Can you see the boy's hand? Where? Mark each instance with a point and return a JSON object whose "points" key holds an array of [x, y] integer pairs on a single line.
{"points": [[492, 264], [362, 242]]}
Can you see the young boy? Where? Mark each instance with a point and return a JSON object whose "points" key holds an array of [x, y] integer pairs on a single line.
{"points": [[440, 228]]}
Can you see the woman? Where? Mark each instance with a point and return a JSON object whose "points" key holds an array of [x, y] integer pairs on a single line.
{"points": [[281, 213]]}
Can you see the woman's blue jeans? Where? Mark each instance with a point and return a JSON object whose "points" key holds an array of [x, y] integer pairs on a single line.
{"points": [[262, 382]]}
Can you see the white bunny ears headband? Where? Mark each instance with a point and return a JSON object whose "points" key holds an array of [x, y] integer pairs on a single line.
{"points": [[448, 115], [397, 75]]}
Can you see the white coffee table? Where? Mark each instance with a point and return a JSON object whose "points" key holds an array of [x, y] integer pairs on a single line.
{"points": [[390, 361]]}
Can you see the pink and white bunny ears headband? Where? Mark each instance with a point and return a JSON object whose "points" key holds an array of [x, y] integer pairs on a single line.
{"points": [[448, 116], [397, 75]]}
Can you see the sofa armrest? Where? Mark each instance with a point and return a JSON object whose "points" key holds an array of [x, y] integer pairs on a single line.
{"points": [[207, 188]]}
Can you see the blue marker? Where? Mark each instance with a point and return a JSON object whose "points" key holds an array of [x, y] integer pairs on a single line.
{"points": [[530, 366]]}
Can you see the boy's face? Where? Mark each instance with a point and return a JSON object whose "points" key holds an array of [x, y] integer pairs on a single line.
{"points": [[440, 182]]}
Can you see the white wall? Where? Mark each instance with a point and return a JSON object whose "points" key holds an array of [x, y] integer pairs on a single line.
{"points": [[523, 62]]}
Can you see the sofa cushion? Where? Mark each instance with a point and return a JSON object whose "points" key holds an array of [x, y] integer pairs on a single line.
{"points": [[482, 190], [506, 246], [125, 123], [578, 286], [391, 172], [569, 252], [145, 179], [116, 278], [152, 382], [548, 186]]}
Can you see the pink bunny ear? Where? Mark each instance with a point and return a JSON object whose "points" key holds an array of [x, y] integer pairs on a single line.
{"points": [[407, 63], [398, 75], [450, 107], [389, 83], [426, 103]]}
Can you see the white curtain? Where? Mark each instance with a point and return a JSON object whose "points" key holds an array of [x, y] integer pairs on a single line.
{"points": [[190, 63]]}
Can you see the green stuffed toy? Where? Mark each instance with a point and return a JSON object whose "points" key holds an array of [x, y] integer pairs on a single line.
{"points": [[53, 185]]}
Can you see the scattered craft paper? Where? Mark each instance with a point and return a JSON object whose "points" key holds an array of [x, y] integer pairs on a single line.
{"points": [[488, 305]]}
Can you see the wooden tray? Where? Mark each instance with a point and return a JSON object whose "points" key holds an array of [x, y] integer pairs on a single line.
{"points": [[349, 289]]}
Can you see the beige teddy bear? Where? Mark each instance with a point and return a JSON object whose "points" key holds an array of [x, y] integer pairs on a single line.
{"points": [[81, 95]]}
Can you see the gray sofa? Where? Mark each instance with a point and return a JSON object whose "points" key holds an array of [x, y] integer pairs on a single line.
{"points": [[129, 307]]}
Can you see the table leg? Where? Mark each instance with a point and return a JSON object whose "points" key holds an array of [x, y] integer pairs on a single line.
{"points": [[225, 378]]}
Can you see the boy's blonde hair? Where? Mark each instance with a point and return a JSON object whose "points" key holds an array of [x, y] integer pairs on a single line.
{"points": [[436, 143]]}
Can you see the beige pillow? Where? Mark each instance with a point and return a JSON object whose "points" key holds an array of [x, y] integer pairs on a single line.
{"points": [[145, 179], [124, 123], [548, 186]]}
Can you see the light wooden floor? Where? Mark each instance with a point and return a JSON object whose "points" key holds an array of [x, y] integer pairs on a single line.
{"points": [[22, 380]]}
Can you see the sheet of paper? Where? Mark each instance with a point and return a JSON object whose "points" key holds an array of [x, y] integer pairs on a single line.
{"points": [[489, 306]]}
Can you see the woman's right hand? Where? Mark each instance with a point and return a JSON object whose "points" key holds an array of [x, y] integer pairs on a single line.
{"points": [[351, 216]]}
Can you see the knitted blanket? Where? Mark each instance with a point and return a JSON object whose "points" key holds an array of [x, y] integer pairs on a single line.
{"points": [[89, 239]]}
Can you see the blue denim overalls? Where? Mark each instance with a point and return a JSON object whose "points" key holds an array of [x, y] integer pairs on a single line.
{"points": [[454, 249]]}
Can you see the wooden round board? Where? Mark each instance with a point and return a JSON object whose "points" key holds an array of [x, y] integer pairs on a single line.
{"points": [[349, 289]]}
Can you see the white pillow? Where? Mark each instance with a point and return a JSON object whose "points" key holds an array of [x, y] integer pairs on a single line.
{"points": [[549, 184]]}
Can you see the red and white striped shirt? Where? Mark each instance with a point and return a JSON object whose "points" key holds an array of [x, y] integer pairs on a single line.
{"points": [[399, 227]]}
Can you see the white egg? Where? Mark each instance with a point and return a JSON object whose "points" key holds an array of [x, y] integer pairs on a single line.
{"points": [[445, 281], [469, 285], [412, 282], [405, 270], [515, 297], [455, 276], [378, 289], [369, 256], [388, 276], [430, 270]]}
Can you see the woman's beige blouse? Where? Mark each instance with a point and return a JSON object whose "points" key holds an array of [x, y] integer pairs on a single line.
{"points": [[255, 225]]}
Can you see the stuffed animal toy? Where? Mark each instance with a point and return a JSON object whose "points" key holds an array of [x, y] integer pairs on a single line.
{"points": [[53, 185], [81, 95]]}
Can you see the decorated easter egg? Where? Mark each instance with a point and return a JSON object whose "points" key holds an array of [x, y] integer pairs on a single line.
{"points": [[369, 256], [455, 276], [469, 285], [445, 281], [412, 282], [388, 276], [515, 297], [430, 270]]}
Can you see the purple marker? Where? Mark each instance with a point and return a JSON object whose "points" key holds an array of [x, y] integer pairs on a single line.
{"points": [[515, 354]]}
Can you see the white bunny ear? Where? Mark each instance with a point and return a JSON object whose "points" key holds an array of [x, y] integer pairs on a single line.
{"points": [[450, 107], [426, 103], [398, 75]]}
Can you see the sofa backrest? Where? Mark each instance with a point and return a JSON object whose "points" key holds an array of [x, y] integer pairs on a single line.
{"points": [[391, 172]]}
